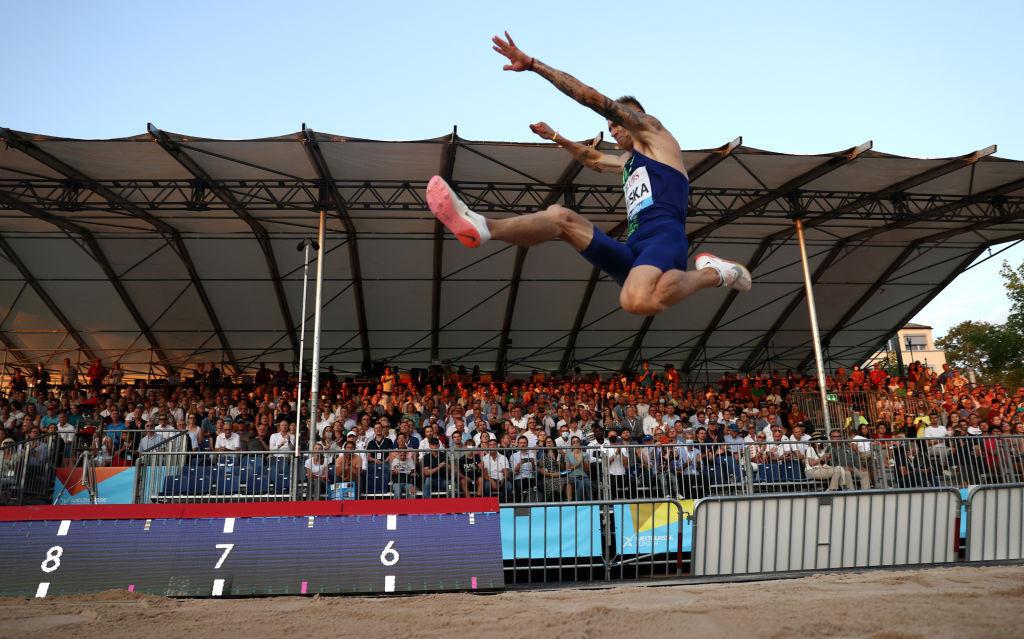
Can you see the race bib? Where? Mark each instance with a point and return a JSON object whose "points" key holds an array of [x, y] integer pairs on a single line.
{"points": [[638, 193]]}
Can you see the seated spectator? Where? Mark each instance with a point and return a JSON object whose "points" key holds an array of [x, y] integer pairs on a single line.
{"points": [[403, 472], [435, 470], [227, 439], [524, 471], [317, 472], [819, 465], [911, 471], [551, 468], [496, 471]]}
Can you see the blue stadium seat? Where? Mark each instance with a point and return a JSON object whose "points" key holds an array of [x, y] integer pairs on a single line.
{"points": [[172, 486], [228, 484]]}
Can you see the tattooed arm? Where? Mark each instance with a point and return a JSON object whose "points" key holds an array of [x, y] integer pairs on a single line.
{"points": [[585, 154], [632, 120]]}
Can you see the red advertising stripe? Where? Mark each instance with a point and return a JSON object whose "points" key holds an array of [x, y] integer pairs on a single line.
{"points": [[259, 509]]}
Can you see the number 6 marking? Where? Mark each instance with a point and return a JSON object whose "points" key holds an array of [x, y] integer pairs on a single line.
{"points": [[227, 551], [389, 556], [52, 561]]}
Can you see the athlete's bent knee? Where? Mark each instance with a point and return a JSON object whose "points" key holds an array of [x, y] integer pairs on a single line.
{"points": [[560, 215], [639, 303]]}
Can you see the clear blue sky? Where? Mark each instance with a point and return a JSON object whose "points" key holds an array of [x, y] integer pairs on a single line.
{"points": [[929, 79]]}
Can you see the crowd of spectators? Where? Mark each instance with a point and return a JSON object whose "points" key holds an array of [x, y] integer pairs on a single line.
{"points": [[532, 438]]}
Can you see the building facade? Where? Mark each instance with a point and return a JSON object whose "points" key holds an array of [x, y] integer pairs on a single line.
{"points": [[916, 343]]}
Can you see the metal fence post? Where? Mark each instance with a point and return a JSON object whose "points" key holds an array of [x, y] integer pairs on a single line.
{"points": [[22, 474], [747, 471]]}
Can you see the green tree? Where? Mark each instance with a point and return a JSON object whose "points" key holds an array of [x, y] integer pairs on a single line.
{"points": [[995, 351]]}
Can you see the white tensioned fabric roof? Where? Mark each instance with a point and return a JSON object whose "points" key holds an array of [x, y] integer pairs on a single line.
{"points": [[169, 248]]}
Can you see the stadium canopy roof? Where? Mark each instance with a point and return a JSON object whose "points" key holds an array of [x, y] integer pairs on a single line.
{"points": [[165, 248]]}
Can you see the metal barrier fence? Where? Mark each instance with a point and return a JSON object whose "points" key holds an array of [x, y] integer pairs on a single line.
{"points": [[27, 469], [584, 473], [792, 533], [995, 523], [594, 540]]}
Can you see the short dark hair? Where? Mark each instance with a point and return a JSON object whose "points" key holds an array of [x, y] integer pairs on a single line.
{"points": [[629, 100]]}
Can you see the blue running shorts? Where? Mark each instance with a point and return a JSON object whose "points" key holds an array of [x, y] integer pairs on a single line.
{"points": [[661, 243]]}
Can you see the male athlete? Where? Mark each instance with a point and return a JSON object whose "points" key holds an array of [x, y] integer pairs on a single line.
{"points": [[651, 265]]}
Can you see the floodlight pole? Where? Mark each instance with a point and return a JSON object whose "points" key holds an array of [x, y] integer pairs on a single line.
{"points": [[299, 399], [812, 311], [314, 383]]}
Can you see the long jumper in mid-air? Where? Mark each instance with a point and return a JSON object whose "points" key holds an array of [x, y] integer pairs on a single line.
{"points": [[651, 264]]}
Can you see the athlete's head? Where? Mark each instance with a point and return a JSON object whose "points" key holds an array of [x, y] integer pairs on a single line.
{"points": [[621, 135]]}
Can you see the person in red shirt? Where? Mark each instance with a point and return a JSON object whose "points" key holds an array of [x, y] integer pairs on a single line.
{"points": [[96, 373]]}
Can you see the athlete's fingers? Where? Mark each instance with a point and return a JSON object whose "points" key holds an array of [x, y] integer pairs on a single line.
{"points": [[498, 41], [507, 67], [509, 38]]}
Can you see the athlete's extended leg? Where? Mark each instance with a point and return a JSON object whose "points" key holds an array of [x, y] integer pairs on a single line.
{"points": [[649, 291], [553, 223], [472, 229]]}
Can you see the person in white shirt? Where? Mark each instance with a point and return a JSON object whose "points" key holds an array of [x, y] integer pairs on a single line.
{"points": [[518, 419], [149, 439], [564, 439], [429, 432], [651, 422], [531, 432], [618, 459], [282, 442], [317, 470], [797, 441], [935, 436], [642, 409], [496, 471], [818, 465], [67, 431], [164, 427], [325, 422], [228, 440], [524, 470]]}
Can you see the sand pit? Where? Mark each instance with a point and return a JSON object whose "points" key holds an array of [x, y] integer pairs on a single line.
{"points": [[940, 602]]}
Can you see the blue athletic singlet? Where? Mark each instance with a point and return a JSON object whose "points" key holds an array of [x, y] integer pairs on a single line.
{"points": [[657, 198], [654, 191]]}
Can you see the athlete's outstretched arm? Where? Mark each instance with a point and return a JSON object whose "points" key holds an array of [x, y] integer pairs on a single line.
{"points": [[585, 154], [631, 119]]}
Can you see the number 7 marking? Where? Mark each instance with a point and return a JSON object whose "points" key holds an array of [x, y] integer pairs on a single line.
{"points": [[227, 551]]}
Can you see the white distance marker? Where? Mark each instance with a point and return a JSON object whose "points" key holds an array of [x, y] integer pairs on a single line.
{"points": [[392, 522], [229, 525], [389, 580], [472, 519], [218, 587], [65, 525], [44, 587]]}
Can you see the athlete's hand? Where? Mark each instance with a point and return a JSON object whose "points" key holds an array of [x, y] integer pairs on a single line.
{"points": [[543, 130], [520, 61]]}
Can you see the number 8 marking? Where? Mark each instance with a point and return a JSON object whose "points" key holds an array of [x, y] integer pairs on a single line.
{"points": [[52, 561], [389, 556]]}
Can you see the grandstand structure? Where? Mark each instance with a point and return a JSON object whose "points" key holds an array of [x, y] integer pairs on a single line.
{"points": [[162, 250]]}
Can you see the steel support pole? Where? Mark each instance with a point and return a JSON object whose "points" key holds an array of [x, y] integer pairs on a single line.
{"points": [[314, 382], [299, 399], [812, 312]]}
